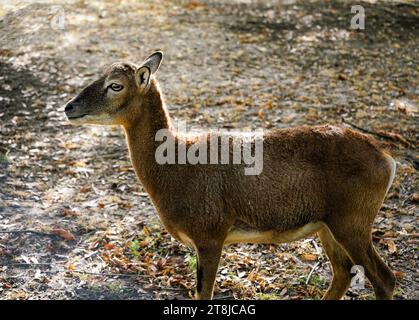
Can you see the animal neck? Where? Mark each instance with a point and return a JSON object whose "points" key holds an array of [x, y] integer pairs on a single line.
{"points": [[141, 140]]}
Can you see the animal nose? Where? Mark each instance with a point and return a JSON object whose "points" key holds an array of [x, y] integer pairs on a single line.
{"points": [[69, 107]]}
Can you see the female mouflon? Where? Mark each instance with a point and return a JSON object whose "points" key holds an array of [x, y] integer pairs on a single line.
{"points": [[320, 179]]}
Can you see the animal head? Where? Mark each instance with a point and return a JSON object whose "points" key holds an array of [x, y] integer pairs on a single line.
{"points": [[117, 93]]}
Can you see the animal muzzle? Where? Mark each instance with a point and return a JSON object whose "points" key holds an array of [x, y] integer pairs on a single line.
{"points": [[73, 110]]}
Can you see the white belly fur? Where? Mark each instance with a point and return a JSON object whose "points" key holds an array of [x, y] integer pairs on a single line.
{"points": [[272, 236]]}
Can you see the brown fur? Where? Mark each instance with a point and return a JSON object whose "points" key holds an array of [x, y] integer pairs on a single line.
{"points": [[331, 180]]}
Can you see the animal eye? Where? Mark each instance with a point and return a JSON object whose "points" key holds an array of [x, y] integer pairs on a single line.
{"points": [[116, 87]]}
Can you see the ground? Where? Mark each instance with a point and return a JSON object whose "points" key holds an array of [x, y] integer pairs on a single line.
{"points": [[74, 221]]}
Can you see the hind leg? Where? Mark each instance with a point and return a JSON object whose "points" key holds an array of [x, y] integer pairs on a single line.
{"points": [[341, 265], [356, 240]]}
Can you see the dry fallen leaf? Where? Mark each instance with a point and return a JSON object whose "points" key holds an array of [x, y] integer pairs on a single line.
{"points": [[70, 213], [146, 231], [85, 189], [390, 245], [66, 235], [109, 246], [309, 257]]}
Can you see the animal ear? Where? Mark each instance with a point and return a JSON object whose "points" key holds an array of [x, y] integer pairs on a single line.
{"points": [[153, 62], [142, 77]]}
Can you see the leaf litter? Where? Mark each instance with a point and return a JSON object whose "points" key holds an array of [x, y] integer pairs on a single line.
{"points": [[75, 222]]}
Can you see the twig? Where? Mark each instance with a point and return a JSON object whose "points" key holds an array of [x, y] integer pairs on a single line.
{"points": [[24, 264], [106, 274], [31, 231], [35, 265], [392, 137], [318, 250], [311, 272], [362, 129], [173, 289]]}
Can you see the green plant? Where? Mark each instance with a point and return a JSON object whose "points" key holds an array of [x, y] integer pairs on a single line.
{"points": [[191, 261], [268, 296], [134, 247], [317, 281]]}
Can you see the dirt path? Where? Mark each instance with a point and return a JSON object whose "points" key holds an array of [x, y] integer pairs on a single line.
{"points": [[227, 64]]}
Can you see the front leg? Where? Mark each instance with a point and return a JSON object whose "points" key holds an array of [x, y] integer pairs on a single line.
{"points": [[206, 269]]}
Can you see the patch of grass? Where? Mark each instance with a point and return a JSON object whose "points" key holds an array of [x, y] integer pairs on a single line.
{"points": [[134, 248], [191, 261], [317, 281], [268, 296]]}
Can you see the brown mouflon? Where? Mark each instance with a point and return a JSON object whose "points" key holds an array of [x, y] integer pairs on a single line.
{"points": [[320, 179]]}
